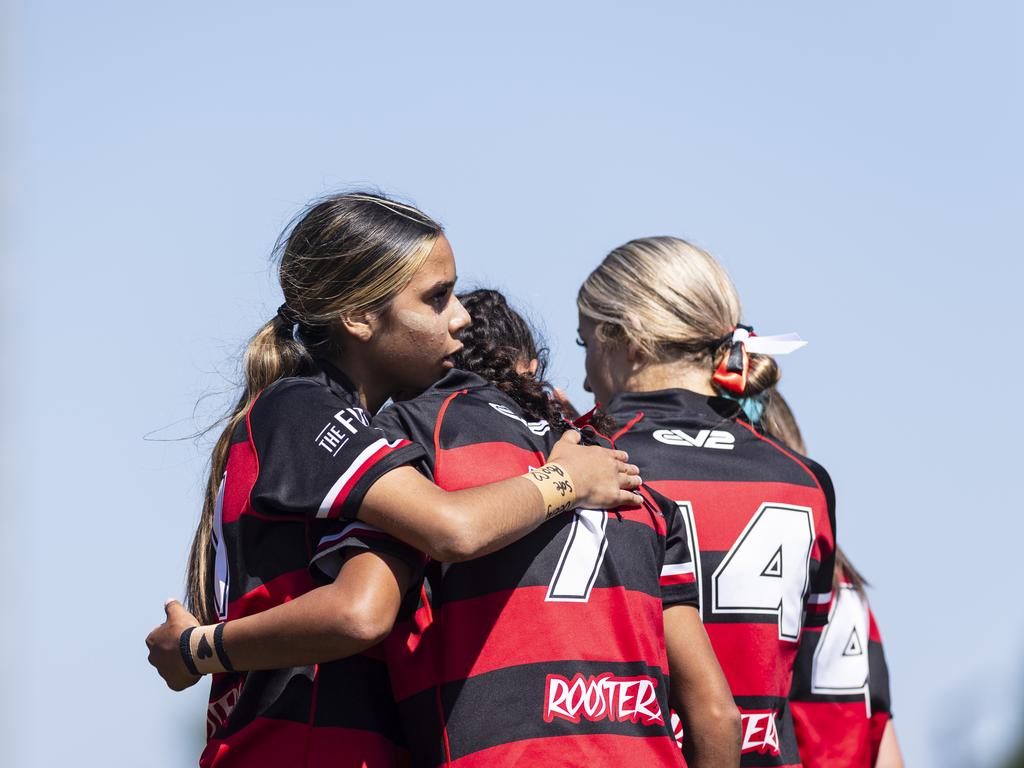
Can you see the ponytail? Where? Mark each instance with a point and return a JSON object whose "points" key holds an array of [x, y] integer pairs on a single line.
{"points": [[272, 354], [344, 253]]}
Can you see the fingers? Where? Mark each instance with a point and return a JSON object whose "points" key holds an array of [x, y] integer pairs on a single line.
{"points": [[629, 482], [570, 436], [628, 499], [178, 614], [627, 469], [619, 455]]}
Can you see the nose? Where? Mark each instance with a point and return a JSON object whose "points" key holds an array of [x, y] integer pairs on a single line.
{"points": [[586, 386], [460, 318]]}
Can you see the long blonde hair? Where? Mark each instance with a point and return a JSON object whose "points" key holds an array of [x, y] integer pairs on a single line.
{"points": [[343, 254], [669, 299]]}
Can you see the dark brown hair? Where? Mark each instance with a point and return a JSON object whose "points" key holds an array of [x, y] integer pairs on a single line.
{"points": [[496, 344]]}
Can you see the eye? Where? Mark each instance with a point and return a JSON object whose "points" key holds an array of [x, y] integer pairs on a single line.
{"points": [[440, 298]]}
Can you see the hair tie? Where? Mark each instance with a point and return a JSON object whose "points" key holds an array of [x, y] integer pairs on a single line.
{"points": [[287, 314], [731, 373]]}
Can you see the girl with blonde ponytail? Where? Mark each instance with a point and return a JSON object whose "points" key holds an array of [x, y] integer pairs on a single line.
{"points": [[669, 361], [369, 314]]}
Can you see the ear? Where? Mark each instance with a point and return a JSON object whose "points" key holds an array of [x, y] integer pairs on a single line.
{"points": [[360, 326], [633, 353], [532, 367]]}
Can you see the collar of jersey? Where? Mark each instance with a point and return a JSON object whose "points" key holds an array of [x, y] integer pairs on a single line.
{"points": [[335, 378], [671, 402], [457, 379]]}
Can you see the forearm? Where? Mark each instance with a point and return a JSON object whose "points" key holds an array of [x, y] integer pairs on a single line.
{"points": [[354, 612], [700, 694], [889, 751], [310, 629], [457, 525]]}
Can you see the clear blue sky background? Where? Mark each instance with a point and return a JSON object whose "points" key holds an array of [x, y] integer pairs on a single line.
{"points": [[857, 167]]}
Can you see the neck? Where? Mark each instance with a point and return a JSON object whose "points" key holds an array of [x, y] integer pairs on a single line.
{"points": [[674, 374], [371, 397]]}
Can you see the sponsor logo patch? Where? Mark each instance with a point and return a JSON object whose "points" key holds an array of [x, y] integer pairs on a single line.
{"points": [[705, 438], [759, 732], [537, 427], [602, 697]]}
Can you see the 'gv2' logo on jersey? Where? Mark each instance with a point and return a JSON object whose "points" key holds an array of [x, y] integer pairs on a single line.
{"points": [[705, 438], [537, 427]]}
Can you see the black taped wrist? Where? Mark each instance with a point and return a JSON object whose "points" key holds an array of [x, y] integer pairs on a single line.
{"points": [[186, 651], [218, 645]]}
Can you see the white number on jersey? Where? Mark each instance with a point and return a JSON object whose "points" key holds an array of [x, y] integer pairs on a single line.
{"points": [[766, 571], [220, 559], [841, 659], [581, 558]]}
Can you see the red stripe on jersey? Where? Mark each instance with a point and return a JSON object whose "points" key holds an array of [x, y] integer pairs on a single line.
{"points": [[754, 661], [678, 578], [272, 743], [243, 466], [470, 466], [629, 426], [832, 733], [591, 750], [490, 630], [286, 587], [732, 504], [339, 500]]}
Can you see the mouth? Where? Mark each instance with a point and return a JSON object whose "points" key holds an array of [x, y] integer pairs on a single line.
{"points": [[448, 361]]}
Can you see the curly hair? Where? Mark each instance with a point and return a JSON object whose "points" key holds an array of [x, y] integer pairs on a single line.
{"points": [[497, 345]]}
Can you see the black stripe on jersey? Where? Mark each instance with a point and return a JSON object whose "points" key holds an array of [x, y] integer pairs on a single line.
{"points": [[356, 693], [531, 562], [483, 705], [283, 694], [271, 549], [881, 698]]}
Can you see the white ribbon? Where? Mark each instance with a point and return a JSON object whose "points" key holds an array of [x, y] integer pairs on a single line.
{"points": [[780, 344]]}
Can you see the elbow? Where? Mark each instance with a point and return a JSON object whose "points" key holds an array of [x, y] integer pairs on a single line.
{"points": [[730, 724], [361, 625], [456, 541]]}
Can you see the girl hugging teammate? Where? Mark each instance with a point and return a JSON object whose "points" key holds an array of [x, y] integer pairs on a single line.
{"points": [[369, 314]]}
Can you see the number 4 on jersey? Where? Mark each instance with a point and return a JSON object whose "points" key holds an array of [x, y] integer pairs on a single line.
{"points": [[766, 570]]}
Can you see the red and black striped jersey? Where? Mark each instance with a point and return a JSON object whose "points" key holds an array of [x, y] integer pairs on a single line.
{"points": [[299, 466], [550, 651], [762, 520], [840, 698]]}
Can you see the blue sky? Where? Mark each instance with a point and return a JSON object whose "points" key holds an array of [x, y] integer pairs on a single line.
{"points": [[856, 168]]}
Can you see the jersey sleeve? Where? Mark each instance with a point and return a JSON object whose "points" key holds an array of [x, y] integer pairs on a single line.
{"points": [[334, 549], [317, 455], [819, 597], [678, 578]]}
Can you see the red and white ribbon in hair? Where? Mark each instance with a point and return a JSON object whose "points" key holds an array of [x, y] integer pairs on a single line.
{"points": [[731, 373]]}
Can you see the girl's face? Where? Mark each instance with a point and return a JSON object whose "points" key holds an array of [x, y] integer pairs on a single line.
{"points": [[414, 340], [607, 365]]}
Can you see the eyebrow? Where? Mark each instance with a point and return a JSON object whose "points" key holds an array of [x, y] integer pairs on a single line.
{"points": [[446, 284]]}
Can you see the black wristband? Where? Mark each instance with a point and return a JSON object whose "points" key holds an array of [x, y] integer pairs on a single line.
{"points": [[186, 651], [218, 644]]}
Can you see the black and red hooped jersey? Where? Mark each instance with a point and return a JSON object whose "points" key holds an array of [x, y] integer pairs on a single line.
{"points": [[550, 651], [840, 698], [762, 520], [299, 466]]}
